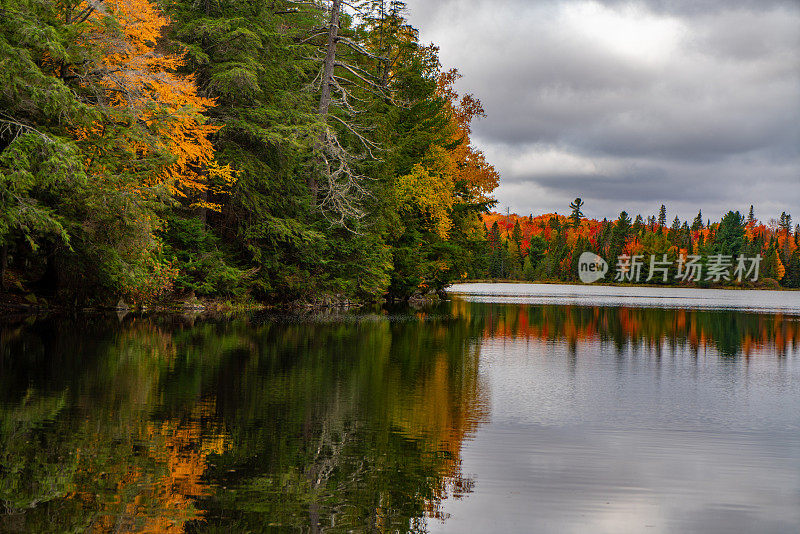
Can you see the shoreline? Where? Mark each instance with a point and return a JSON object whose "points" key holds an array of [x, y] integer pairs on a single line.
{"points": [[13, 304], [609, 284]]}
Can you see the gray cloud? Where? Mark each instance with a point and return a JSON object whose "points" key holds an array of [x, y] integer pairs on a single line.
{"points": [[628, 105]]}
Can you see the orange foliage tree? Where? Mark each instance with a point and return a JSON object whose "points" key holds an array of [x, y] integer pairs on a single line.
{"points": [[455, 173], [153, 114]]}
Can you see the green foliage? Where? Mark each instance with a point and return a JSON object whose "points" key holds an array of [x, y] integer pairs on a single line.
{"points": [[792, 276], [39, 179], [199, 258], [730, 237], [620, 235], [576, 215]]}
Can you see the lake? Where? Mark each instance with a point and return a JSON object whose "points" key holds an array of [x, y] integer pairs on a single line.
{"points": [[510, 408]]}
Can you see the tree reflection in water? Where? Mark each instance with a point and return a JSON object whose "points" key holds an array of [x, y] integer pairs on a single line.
{"points": [[317, 423]]}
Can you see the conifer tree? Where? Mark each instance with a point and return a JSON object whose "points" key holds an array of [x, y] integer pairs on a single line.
{"points": [[638, 226], [577, 214], [697, 224], [620, 235], [730, 237]]}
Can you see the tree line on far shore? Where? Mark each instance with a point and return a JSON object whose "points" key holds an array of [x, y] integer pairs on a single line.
{"points": [[548, 247]]}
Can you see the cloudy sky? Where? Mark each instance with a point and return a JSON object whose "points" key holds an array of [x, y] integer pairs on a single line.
{"points": [[690, 103]]}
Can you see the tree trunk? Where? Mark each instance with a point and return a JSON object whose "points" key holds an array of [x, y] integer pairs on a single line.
{"points": [[327, 79], [330, 57]]}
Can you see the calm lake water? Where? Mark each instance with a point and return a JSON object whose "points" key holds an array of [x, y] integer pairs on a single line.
{"points": [[509, 409]]}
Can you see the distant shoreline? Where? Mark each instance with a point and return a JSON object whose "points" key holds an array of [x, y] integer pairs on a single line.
{"points": [[609, 284]]}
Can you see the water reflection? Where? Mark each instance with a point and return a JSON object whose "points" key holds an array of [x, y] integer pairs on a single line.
{"points": [[728, 332], [159, 426], [338, 423]]}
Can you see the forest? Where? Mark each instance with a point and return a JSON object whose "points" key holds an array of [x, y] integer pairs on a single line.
{"points": [[548, 247], [270, 151]]}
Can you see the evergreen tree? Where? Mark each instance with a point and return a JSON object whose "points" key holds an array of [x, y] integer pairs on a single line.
{"points": [[577, 214], [516, 239], [792, 276], [536, 252], [785, 223], [528, 269], [662, 218], [496, 268], [697, 224], [620, 235], [730, 237], [674, 231], [516, 234], [686, 236]]}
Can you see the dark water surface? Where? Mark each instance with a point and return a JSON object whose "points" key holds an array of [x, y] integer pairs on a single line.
{"points": [[473, 416]]}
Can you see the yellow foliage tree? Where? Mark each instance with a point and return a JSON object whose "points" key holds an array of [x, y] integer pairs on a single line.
{"points": [[430, 188], [459, 173]]}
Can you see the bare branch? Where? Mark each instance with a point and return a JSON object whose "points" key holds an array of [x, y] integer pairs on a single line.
{"points": [[361, 50], [16, 128], [354, 72], [368, 145], [312, 36]]}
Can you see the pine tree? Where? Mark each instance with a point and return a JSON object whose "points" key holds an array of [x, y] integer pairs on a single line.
{"points": [[528, 269], [697, 224], [662, 218], [674, 231], [496, 268], [785, 223], [577, 214], [686, 236], [516, 241], [620, 235], [730, 236], [792, 276]]}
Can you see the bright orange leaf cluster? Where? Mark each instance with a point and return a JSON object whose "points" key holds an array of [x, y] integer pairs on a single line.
{"points": [[142, 80]]}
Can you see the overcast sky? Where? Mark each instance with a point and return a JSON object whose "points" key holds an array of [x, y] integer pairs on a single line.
{"points": [[690, 103]]}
